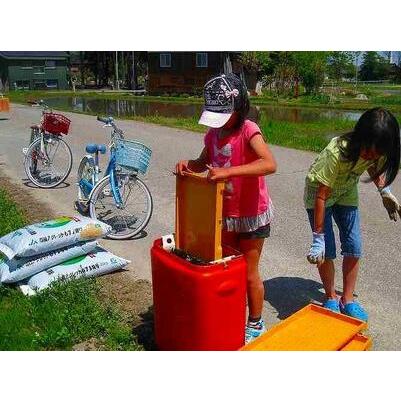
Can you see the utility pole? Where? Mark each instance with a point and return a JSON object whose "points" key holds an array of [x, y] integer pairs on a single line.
{"points": [[356, 68], [117, 80], [133, 76]]}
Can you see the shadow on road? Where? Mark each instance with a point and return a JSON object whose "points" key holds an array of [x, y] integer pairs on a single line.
{"points": [[140, 235], [289, 294], [144, 331], [29, 184]]}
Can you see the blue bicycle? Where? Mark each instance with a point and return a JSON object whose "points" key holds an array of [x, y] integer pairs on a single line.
{"points": [[120, 199]]}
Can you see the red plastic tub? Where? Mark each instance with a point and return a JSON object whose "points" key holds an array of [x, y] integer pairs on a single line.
{"points": [[198, 307]]}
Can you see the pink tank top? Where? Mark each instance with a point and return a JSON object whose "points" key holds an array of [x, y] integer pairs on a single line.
{"points": [[243, 196]]}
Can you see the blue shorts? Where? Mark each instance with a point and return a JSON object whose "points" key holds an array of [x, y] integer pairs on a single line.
{"points": [[347, 220]]}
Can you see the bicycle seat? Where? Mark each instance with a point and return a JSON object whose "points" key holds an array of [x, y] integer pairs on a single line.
{"points": [[94, 148]]}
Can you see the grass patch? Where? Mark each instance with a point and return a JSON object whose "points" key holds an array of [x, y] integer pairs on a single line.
{"points": [[59, 317], [313, 136], [11, 216], [65, 314]]}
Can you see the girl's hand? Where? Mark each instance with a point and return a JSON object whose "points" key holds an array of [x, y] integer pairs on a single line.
{"points": [[182, 166], [390, 202], [217, 173], [316, 252]]}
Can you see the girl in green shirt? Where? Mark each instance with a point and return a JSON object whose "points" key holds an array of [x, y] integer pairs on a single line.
{"points": [[331, 193]]}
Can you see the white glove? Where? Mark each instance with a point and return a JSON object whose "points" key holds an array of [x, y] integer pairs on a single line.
{"points": [[316, 252], [390, 202]]}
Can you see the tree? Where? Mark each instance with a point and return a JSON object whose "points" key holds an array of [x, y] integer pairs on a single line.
{"points": [[340, 65], [257, 62], [284, 77], [311, 67], [374, 67]]}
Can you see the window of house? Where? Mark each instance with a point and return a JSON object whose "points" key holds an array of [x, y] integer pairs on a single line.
{"points": [[52, 84], [201, 60], [165, 60], [39, 70], [21, 85], [39, 84], [50, 64]]}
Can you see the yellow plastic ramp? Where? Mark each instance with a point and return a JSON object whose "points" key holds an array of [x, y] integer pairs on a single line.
{"points": [[312, 328], [358, 343]]}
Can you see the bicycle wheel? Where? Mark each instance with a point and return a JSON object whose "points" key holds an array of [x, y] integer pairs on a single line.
{"points": [[48, 165], [85, 181], [35, 134], [134, 214]]}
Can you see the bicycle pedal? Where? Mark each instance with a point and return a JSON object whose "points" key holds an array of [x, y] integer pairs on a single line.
{"points": [[106, 192], [24, 151]]}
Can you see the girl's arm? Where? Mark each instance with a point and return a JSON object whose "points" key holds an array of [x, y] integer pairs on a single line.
{"points": [[322, 194], [264, 165], [196, 166], [379, 181]]}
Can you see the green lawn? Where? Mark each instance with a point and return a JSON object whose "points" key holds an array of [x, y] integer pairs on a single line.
{"points": [[58, 317], [313, 136]]}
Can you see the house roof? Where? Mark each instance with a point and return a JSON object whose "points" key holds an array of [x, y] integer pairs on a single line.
{"points": [[34, 55]]}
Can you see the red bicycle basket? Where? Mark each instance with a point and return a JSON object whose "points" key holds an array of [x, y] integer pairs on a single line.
{"points": [[56, 123]]}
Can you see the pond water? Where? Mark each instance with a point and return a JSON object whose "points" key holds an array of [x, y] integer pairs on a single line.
{"points": [[140, 107]]}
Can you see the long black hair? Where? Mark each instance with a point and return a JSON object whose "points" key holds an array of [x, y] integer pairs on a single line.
{"points": [[376, 128], [241, 101]]}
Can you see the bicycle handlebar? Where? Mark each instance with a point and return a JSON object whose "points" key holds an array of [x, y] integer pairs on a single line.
{"points": [[39, 103], [110, 121], [106, 120]]}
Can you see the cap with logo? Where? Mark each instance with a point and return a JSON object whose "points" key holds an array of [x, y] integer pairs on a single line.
{"points": [[222, 96]]}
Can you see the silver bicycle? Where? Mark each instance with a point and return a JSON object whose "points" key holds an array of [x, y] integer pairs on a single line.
{"points": [[48, 159]]}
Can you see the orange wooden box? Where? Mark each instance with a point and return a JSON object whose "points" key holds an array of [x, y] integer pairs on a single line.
{"points": [[198, 217], [4, 104], [358, 343], [312, 328]]}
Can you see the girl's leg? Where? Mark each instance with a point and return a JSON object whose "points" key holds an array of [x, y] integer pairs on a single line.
{"points": [[348, 222], [347, 219], [252, 249], [350, 273], [326, 271], [230, 239]]}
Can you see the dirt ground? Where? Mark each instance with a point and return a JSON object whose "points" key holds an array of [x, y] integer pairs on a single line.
{"points": [[133, 297]]}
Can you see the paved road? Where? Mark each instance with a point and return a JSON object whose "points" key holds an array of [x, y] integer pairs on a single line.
{"points": [[290, 281]]}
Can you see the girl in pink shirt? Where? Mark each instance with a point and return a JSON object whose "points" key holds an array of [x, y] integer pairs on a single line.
{"points": [[236, 152]]}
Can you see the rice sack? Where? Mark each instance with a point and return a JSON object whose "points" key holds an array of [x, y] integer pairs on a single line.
{"points": [[90, 265], [18, 269], [50, 235]]}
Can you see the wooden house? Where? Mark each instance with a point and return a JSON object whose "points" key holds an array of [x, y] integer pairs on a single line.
{"points": [[186, 72]]}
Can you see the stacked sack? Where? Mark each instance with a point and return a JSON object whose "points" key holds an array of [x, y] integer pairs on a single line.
{"points": [[63, 248]]}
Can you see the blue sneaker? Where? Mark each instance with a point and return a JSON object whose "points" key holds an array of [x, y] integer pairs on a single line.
{"points": [[355, 310], [333, 305], [254, 330]]}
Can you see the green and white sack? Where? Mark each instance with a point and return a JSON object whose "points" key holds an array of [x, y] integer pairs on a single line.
{"points": [[18, 269], [91, 265], [50, 235]]}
